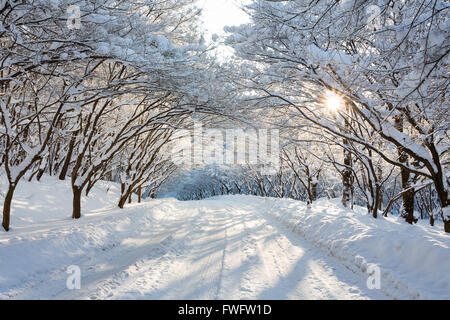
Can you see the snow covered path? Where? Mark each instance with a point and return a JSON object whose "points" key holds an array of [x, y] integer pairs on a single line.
{"points": [[210, 249]]}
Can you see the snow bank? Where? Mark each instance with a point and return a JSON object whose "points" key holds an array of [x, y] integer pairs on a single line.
{"points": [[414, 259], [44, 240]]}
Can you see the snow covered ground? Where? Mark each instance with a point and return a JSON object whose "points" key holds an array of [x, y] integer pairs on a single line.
{"points": [[232, 247]]}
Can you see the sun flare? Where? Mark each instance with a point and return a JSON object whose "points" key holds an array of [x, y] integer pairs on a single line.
{"points": [[333, 101]]}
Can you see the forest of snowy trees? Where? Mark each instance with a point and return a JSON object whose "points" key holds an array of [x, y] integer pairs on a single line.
{"points": [[358, 90]]}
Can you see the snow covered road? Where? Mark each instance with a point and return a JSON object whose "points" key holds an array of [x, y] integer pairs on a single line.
{"points": [[209, 249]]}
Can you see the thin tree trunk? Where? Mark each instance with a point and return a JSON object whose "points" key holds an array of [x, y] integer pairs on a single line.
{"points": [[124, 196], [377, 200], [408, 196], [445, 203], [139, 195], [76, 214], [347, 182], [374, 212], [89, 188], [32, 175], [7, 207], [65, 168], [380, 199], [444, 200], [347, 179], [379, 190], [40, 174], [314, 184]]}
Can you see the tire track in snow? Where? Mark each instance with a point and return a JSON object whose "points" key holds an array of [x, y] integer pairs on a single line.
{"points": [[147, 275], [167, 277], [207, 253], [216, 249]]}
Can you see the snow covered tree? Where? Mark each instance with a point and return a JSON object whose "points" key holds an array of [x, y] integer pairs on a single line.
{"points": [[384, 68], [80, 79], [36, 84]]}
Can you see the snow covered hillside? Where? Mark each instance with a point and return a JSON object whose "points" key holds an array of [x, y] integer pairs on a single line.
{"points": [[229, 247]]}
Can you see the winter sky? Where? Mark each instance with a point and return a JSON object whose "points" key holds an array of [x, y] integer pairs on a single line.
{"points": [[220, 13]]}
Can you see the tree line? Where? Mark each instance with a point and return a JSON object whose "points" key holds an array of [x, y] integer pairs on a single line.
{"points": [[96, 96]]}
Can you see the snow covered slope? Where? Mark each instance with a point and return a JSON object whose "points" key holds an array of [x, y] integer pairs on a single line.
{"points": [[233, 247], [51, 200]]}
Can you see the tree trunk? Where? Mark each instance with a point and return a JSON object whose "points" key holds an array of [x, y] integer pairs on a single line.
{"points": [[347, 182], [380, 199], [32, 175], [76, 214], [447, 226], [139, 195], [7, 207], [373, 207], [124, 195], [379, 190], [347, 179], [122, 202], [375, 212], [445, 203], [89, 188], [40, 174], [444, 200], [314, 184], [65, 168], [407, 198]]}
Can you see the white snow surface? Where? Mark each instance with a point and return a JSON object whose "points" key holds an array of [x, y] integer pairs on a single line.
{"points": [[229, 247]]}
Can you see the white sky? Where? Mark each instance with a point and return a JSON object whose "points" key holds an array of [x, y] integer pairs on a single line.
{"points": [[220, 13]]}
